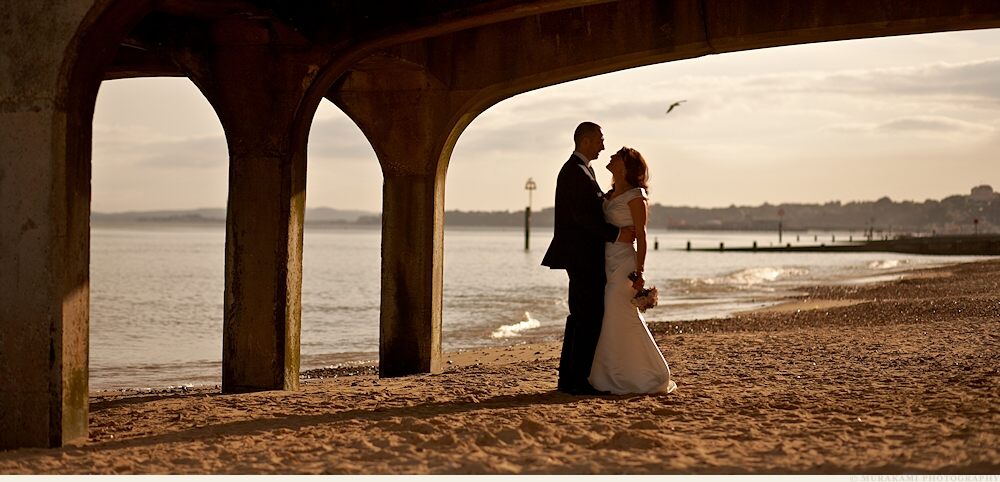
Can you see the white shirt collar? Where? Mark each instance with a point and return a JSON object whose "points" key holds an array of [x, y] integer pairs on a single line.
{"points": [[582, 157]]}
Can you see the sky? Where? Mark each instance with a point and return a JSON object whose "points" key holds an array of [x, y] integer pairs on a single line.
{"points": [[911, 117]]}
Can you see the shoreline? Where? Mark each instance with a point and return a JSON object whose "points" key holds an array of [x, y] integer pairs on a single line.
{"points": [[794, 299], [904, 381]]}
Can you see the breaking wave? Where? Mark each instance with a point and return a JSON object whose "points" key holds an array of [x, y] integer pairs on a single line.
{"points": [[885, 264], [752, 276], [513, 330]]}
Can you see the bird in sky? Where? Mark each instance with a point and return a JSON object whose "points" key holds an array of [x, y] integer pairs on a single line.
{"points": [[675, 104]]}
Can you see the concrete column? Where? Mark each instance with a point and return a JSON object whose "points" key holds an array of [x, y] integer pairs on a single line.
{"points": [[412, 124], [263, 269], [412, 274], [257, 88], [44, 284], [45, 116]]}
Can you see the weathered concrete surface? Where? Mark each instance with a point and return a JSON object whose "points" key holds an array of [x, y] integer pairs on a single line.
{"points": [[51, 62], [256, 81], [44, 248], [412, 274]]}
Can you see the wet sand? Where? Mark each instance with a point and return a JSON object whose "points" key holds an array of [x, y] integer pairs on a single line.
{"points": [[897, 377]]}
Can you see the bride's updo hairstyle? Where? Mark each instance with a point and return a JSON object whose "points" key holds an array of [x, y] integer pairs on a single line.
{"points": [[636, 169]]}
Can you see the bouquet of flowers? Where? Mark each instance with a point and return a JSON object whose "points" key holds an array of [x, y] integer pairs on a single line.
{"points": [[646, 298]]}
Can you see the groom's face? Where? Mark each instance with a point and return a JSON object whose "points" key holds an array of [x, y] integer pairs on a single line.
{"points": [[594, 144]]}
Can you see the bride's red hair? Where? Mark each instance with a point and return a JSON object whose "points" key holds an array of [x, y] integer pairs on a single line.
{"points": [[636, 169]]}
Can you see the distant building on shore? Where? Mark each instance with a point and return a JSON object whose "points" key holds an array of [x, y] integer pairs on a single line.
{"points": [[983, 193]]}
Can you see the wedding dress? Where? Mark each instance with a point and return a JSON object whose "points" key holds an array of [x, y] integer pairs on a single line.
{"points": [[627, 359]]}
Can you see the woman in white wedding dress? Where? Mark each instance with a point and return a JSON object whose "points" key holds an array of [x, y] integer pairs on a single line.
{"points": [[627, 359]]}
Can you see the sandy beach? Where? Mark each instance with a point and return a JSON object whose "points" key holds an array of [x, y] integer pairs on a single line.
{"points": [[895, 377]]}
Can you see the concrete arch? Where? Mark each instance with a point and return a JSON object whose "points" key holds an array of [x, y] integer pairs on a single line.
{"points": [[258, 73], [440, 83], [448, 62], [266, 119]]}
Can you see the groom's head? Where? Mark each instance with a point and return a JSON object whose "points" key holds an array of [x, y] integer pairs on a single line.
{"points": [[589, 139]]}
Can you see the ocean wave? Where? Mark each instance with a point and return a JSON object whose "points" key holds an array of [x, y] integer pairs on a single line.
{"points": [[751, 276], [510, 331], [886, 263]]}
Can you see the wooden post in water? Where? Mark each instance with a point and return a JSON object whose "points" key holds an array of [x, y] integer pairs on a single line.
{"points": [[528, 186], [527, 228], [781, 218]]}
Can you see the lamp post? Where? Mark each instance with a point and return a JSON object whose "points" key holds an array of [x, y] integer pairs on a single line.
{"points": [[528, 186]]}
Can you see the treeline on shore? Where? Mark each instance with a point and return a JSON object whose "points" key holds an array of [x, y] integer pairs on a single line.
{"points": [[958, 214], [951, 215]]}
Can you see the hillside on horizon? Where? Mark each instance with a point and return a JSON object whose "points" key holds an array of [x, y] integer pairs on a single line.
{"points": [[951, 215]]}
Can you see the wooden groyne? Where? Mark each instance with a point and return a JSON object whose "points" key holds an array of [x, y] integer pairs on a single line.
{"points": [[969, 245]]}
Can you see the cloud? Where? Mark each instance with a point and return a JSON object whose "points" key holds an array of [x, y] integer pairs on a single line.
{"points": [[533, 104], [196, 152], [579, 107], [940, 99], [142, 146], [934, 124], [851, 128], [921, 124], [339, 139], [968, 83], [508, 136]]}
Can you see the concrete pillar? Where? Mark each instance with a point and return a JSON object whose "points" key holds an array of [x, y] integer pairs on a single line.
{"points": [[412, 274], [44, 283], [49, 75], [257, 88], [412, 126]]}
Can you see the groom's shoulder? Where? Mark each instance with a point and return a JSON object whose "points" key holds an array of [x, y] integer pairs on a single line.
{"points": [[571, 165]]}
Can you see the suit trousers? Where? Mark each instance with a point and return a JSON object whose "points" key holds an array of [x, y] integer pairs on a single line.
{"points": [[583, 327]]}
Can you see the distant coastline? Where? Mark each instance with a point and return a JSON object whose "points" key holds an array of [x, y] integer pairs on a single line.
{"points": [[958, 214]]}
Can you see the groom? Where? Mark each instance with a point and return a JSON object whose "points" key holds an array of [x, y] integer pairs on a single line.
{"points": [[578, 247]]}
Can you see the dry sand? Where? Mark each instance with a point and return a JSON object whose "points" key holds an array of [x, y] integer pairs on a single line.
{"points": [[899, 377]]}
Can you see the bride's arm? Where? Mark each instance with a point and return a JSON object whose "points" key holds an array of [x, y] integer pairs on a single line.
{"points": [[639, 211]]}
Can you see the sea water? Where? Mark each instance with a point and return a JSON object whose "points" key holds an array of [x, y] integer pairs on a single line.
{"points": [[157, 291]]}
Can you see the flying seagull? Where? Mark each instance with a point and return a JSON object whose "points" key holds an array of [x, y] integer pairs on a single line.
{"points": [[675, 104]]}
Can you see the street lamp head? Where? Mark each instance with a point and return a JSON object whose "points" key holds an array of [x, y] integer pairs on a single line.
{"points": [[530, 185]]}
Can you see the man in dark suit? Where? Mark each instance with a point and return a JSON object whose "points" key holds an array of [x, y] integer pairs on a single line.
{"points": [[578, 247]]}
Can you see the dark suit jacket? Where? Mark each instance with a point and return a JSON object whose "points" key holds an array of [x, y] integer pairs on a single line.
{"points": [[580, 230]]}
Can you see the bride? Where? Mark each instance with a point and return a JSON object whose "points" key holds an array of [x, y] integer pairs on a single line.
{"points": [[627, 359]]}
